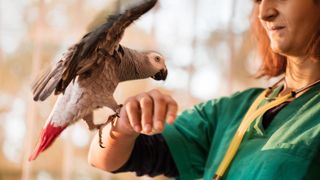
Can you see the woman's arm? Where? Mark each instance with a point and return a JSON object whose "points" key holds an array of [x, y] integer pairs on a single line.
{"points": [[144, 113], [117, 149]]}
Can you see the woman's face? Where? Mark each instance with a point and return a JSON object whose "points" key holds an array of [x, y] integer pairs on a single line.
{"points": [[290, 24]]}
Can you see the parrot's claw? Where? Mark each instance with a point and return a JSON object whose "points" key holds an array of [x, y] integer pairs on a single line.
{"points": [[111, 119], [118, 110], [100, 137]]}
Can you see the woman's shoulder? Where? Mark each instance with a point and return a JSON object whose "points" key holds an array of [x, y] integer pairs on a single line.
{"points": [[236, 99], [247, 94]]}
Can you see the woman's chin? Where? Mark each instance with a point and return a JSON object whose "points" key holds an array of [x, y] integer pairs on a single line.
{"points": [[277, 49], [280, 48]]}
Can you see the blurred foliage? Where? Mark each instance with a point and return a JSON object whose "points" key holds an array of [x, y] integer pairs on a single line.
{"points": [[114, 7], [101, 17], [3, 110], [15, 71], [245, 47], [79, 17]]}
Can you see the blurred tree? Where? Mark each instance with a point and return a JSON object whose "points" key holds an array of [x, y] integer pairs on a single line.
{"points": [[232, 44], [101, 16], [114, 7], [3, 110], [31, 108], [240, 53], [194, 44], [1, 51], [64, 22]]}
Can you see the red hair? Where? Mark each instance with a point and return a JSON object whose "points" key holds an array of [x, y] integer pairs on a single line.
{"points": [[274, 64]]}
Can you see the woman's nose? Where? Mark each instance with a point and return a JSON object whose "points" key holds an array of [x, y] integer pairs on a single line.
{"points": [[267, 11]]}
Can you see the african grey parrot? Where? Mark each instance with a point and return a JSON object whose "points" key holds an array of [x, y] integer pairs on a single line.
{"points": [[88, 74]]}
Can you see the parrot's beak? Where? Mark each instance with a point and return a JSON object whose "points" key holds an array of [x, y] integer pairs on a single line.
{"points": [[161, 75]]}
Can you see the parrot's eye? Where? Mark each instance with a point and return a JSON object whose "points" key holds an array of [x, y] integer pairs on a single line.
{"points": [[157, 59]]}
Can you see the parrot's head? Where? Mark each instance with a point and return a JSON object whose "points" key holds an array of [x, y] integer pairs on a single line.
{"points": [[159, 69]]}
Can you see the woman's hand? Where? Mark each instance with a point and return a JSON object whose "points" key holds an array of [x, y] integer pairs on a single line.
{"points": [[146, 113]]}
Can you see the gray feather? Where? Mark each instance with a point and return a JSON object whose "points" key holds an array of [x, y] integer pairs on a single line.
{"points": [[46, 84], [84, 56]]}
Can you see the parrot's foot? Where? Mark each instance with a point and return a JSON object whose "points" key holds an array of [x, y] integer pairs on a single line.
{"points": [[100, 135], [111, 119], [118, 110]]}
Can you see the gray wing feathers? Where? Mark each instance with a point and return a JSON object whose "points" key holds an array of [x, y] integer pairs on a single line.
{"points": [[122, 21], [46, 84], [106, 37], [84, 55], [109, 34]]}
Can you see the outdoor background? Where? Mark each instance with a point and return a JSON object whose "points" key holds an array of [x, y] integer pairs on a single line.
{"points": [[207, 44]]}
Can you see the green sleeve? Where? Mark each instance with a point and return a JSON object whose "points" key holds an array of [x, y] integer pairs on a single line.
{"points": [[190, 137]]}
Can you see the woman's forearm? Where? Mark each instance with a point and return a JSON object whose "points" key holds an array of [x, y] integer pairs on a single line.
{"points": [[118, 148]]}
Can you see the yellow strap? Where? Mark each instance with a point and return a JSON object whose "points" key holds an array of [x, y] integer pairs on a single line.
{"points": [[250, 116], [256, 103]]}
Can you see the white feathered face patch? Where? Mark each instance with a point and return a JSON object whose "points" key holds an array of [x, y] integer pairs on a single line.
{"points": [[158, 62]]}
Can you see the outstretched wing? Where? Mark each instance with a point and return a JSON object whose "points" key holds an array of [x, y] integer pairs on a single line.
{"points": [[47, 82], [86, 54], [108, 35]]}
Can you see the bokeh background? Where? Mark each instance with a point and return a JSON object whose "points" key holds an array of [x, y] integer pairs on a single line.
{"points": [[207, 43]]}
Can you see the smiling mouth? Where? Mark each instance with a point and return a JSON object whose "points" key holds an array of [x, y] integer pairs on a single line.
{"points": [[276, 28]]}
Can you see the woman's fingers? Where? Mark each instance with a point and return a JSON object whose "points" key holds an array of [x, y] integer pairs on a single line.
{"points": [[147, 112], [160, 109], [134, 114], [146, 104], [172, 110]]}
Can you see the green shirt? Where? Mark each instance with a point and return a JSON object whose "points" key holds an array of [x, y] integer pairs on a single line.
{"points": [[287, 149]]}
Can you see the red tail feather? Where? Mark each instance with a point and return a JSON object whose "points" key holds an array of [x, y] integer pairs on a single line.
{"points": [[47, 137]]}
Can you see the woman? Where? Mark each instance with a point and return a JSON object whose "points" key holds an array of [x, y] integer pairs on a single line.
{"points": [[283, 142]]}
